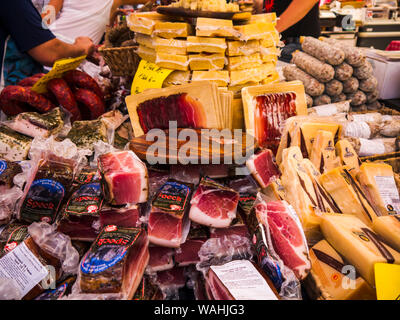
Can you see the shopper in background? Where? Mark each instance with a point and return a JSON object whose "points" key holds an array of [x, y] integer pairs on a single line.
{"points": [[25, 45]]}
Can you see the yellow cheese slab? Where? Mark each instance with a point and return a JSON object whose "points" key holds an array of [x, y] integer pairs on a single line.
{"points": [[388, 227], [204, 44], [323, 153], [170, 46], [271, 39], [238, 116], [141, 24], [243, 48], [358, 244], [210, 27], [144, 40], [244, 62], [170, 30], [257, 30], [177, 78], [221, 78], [204, 61], [348, 156], [271, 78], [257, 74], [379, 186], [146, 53], [265, 17], [328, 279], [172, 61]]}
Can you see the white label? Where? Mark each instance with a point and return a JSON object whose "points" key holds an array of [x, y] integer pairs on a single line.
{"points": [[23, 267], [326, 110], [243, 281], [358, 130], [371, 147], [389, 194]]}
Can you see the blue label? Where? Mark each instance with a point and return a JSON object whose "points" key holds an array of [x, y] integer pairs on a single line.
{"points": [[103, 258], [3, 166], [53, 294]]}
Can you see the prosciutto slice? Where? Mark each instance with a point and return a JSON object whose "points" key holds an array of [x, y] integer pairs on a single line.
{"points": [[263, 168]]}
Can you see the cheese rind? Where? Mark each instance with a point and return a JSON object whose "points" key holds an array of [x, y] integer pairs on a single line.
{"points": [[172, 61], [244, 62], [209, 27], [358, 244], [388, 227], [171, 30], [170, 46]]}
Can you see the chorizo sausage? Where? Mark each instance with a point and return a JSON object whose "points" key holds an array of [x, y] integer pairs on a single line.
{"points": [[333, 88], [363, 72], [60, 89], [311, 85], [30, 81], [343, 71], [322, 99], [323, 51], [90, 104], [321, 71], [81, 80], [350, 85], [369, 85]]}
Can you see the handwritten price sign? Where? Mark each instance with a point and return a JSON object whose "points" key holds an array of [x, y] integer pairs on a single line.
{"points": [[148, 76]]}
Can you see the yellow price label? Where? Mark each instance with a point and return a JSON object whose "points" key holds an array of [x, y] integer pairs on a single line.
{"points": [[59, 68], [148, 76], [387, 281]]}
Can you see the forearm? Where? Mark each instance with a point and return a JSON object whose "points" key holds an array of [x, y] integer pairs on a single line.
{"points": [[296, 11]]}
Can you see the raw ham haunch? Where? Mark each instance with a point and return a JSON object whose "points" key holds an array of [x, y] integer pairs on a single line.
{"points": [[213, 205], [170, 280], [263, 168], [187, 254], [125, 178], [126, 217], [160, 259], [287, 235]]}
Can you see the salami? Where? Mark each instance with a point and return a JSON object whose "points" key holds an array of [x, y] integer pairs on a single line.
{"points": [[321, 71], [363, 72], [340, 97], [90, 104], [311, 85], [323, 51], [376, 105], [60, 89], [17, 99], [353, 55], [350, 85], [321, 100], [369, 85], [372, 96], [81, 80], [357, 98], [333, 88], [309, 101], [343, 71]]}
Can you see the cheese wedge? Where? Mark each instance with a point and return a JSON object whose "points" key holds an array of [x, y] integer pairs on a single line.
{"points": [[323, 153], [258, 30], [144, 40], [203, 44], [328, 279], [388, 227], [140, 24], [348, 156], [177, 78], [221, 78], [204, 61], [170, 30], [377, 182], [170, 46], [243, 48], [271, 39], [172, 61], [244, 62], [209, 27], [348, 195], [146, 53], [358, 244]]}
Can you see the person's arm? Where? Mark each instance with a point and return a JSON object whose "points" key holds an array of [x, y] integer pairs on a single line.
{"points": [[49, 52], [296, 11]]}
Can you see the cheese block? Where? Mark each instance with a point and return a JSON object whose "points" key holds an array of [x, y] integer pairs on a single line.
{"points": [[271, 78], [146, 53], [388, 227], [257, 74], [170, 30], [348, 156], [323, 153], [271, 40], [210, 27], [221, 78], [177, 78], [243, 48], [204, 61], [237, 113], [204, 44], [244, 62], [141, 24], [329, 281], [170, 46], [358, 244], [144, 40], [172, 61], [348, 195], [257, 30], [377, 182], [265, 17]]}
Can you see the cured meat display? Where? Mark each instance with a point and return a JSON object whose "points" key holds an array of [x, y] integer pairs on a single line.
{"points": [[263, 167], [161, 259]]}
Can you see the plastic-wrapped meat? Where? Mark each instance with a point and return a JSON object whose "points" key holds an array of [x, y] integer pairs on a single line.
{"points": [[161, 259], [372, 96], [350, 85], [168, 223], [363, 72], [309, 101], [353, 55], [128, 217], [287, 235], [11, 236], [214, 171], [8, 170], [157, 112], [311, 85], [321, 71], [357, 98], [187, 253], [369, 85], [170, 281], [147, 290], [322, 51], [13, 145], [263, 167], [47, 190], [156, 179], [333, 88], [322, 100], [115, 263], [186, 173], [213, 204], [343, 71], [339, 98], [125, 178], [270, 113], [79, 215], [62, 289]]}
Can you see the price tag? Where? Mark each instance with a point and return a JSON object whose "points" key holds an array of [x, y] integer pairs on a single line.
{"points": [[387, 281], [148, 76], [59, 68]]}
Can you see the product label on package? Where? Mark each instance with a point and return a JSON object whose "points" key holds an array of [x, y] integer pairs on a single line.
{"points": [[17, 234], [173, 197], [388, 191], [3, 166], [87, 200], [243, 281], [23, 267]]}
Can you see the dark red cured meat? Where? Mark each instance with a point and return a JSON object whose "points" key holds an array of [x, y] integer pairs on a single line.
{"points": [[217, 288], [127, 218], [81, 80], [90, 105], [174, 278], [30, 81], [165, 229], [240, 231], [13, 98], [79, 228], [263, 167], [188, 253], [62, 92], [160, 259]]}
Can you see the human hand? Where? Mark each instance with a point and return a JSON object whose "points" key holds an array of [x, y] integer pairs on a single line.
{"points": [[85, 44]]}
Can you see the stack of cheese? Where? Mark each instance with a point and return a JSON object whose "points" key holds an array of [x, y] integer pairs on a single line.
{"points": [[206, 5]]}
